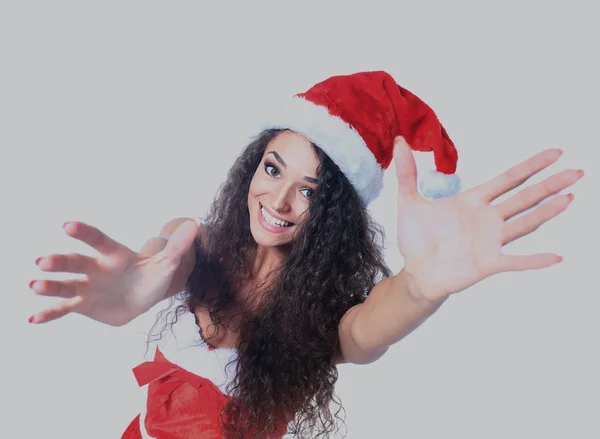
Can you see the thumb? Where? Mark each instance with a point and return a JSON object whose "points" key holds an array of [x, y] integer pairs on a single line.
{"points": [[406, 168], [181, 240]]}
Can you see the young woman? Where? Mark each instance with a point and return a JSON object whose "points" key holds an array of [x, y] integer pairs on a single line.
{"points": [[285, 277]]}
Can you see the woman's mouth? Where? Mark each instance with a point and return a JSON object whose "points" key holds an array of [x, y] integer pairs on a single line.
{"points": [[271, 224]]}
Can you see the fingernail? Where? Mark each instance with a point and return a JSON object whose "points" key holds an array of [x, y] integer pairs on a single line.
{"points": [[581, 173], [37, 261], [65, 225], [31, 284], [30, 320], [571, 197]]}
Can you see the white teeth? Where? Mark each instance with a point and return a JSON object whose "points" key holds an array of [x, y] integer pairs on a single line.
{"points": [[273, 221]]}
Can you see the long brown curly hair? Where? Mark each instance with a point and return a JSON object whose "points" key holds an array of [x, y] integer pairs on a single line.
{"points": [[285, 373]]}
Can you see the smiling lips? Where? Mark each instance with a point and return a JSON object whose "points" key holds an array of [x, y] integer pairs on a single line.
{"points": [[270, 223]]}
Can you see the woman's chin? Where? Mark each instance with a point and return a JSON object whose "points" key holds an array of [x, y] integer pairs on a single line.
{"points": [[265, 239]]}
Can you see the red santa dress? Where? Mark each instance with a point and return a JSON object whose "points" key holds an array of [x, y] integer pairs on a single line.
{"points": [[185, 383]]}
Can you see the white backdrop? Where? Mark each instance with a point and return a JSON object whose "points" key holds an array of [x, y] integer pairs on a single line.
{"points": [[127, 114]]}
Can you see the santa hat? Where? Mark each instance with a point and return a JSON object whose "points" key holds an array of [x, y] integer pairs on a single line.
{"points": [[355, 118]]}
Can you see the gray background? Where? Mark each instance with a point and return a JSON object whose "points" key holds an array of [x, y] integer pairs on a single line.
{"points": [[127, 114]]}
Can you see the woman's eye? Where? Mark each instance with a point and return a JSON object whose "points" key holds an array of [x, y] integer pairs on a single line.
{"points": [[271, 170], [308, 192]]}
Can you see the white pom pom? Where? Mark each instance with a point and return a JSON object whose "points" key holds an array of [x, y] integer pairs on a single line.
{"points": [[439, 185]]}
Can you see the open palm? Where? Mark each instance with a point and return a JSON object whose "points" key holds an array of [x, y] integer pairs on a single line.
{"points": [[119, 284], [452, 243]]}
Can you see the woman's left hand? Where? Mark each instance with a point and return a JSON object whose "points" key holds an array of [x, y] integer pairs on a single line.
{"points": [[452, 243]]}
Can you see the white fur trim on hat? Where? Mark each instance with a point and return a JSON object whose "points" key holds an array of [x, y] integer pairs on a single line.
{"points": [[336, 138], [439, 185]]}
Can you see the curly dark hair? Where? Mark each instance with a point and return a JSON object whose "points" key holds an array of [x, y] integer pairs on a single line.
{"points": [[285, 373]]}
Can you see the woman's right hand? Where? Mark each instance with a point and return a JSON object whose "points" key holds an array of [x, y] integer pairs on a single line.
{"points": [[119, 284]]}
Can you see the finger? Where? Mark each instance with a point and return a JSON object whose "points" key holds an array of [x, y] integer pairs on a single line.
{"points": [[533, 195], [153, 246], [70, 263], [528, 262], [57, 311], [181, 240], [66, 289], [517, 175], [93, 237], [529, 222], [406, 168]]}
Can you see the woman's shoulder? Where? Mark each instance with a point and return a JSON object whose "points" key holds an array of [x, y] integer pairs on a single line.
{"points": [[175, 327]]}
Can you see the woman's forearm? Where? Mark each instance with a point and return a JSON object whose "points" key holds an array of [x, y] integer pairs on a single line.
{"points": [[390, 313]]}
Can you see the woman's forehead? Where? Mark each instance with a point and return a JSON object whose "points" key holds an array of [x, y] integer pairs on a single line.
{"points": [[295, 150]]}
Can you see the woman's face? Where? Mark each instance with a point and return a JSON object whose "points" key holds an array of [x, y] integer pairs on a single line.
{"points": [[281, 188]]}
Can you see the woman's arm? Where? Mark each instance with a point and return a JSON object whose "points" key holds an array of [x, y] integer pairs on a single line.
{"points": [[391, 312], [450, 244]]}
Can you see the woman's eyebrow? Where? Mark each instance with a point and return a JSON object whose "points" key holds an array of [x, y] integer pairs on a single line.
{"points": [[282, 162], [278, 157]]}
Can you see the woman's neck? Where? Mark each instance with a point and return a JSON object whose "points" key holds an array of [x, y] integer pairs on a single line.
{"points": [[264, 266], [266, 260]]}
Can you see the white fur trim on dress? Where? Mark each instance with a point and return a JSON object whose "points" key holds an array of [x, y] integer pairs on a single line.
{"points": [[336, 138], [143, 431]]}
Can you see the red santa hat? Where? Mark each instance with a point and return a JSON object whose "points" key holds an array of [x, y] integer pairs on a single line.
{"points": [[355, 118]]}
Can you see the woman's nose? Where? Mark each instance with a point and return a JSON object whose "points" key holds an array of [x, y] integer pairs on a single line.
{"points": [[281, 202]]}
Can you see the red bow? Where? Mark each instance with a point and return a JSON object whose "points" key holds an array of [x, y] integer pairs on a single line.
{"points": [[180, 404]]}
